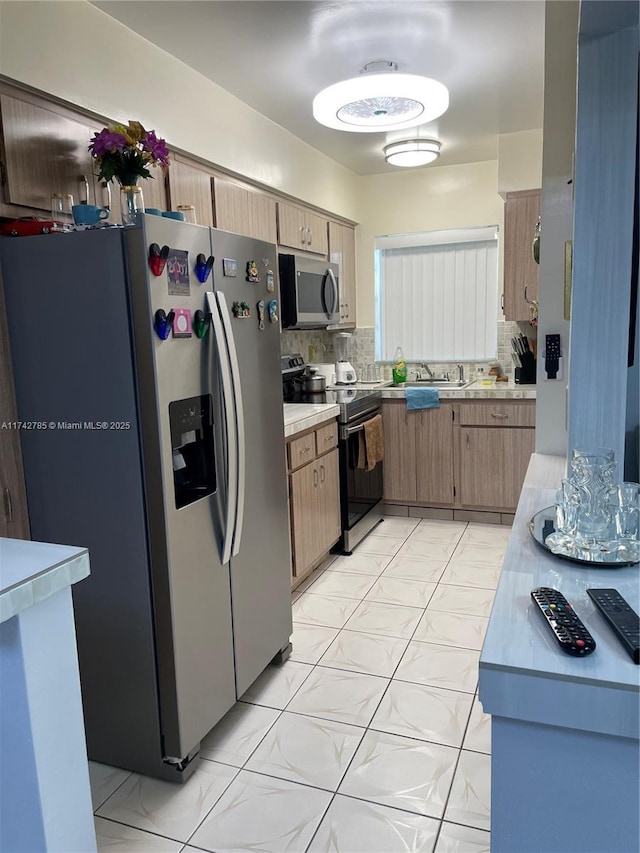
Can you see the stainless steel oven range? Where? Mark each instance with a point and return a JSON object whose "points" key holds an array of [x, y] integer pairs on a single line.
{"points": [[360, 489]]}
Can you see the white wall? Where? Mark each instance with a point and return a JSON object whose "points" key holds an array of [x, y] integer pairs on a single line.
{"points": [[427, 199], [520, 161], [79, 54]]}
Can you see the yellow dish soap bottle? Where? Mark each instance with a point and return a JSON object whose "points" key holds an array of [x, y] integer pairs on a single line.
{"points": [[399, 368]]}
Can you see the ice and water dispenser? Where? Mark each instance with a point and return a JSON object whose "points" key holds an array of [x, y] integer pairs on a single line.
{"points": [[192, 449]]}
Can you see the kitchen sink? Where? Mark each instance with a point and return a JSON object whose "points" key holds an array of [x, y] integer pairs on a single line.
{"points": [[439, 383]]}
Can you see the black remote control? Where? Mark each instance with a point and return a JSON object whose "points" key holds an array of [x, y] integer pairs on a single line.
{"points": [[623, 621], [572, 636]]}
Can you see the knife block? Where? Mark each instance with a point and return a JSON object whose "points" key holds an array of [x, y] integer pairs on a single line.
{"points": [[526, 375]]}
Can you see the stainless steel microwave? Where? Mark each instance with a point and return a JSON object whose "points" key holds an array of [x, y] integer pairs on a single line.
{"points": [[309, 291]]}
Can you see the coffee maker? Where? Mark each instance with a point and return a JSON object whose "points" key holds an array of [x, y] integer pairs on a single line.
{"points": [[345, 373]]}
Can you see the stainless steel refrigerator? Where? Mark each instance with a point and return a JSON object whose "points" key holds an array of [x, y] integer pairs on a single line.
{"points": [[165, 457]]}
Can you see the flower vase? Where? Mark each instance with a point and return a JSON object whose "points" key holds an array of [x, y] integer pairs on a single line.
{"points": [[131, 201]]}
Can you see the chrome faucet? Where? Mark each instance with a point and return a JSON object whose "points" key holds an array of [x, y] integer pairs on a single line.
{"points": [[461, 372], [428, 369]]}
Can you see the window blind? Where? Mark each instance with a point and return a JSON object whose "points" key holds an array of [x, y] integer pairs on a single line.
{"points": [[438, 301]]}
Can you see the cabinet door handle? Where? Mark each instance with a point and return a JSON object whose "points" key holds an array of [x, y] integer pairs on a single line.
{"points": [[502, 302], [347, 312], [322, 476], [468, 442], [310, 240], [500, 415], [315, 477], [8, 505], [302, 237]]}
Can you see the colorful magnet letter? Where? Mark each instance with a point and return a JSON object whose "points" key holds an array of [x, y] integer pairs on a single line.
{"points": [[273, 310], [201, 323], [252, 272], [260, 307], [158, 258], [271, 281], [229, 267], [182, 323], [163, 323], [241, 310], [204, 267]]}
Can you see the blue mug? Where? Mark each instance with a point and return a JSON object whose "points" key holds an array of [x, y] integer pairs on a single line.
{"points": [[89, 214], [153, 210], [174, 214]]}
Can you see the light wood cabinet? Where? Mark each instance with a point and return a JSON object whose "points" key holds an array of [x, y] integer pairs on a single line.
{"points": [[314, 497], [44, 151], [418, 454], [190, 184], [299, 228], [493, 464], [434, 455], [399, 452], [342, 251], [465, 454], [521, 213], [243, 211]]}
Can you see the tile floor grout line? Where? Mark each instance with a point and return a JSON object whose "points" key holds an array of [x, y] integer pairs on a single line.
{"points": [[147, 831], [117, 788]]}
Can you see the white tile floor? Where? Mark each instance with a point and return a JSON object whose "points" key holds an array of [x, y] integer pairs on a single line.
{"points": [[370, 739]]}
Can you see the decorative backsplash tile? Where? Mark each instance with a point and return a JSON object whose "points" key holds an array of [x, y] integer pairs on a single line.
{"points": [[317, 345]]}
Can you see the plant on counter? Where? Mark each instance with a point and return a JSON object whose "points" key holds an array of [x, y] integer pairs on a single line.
{"points": [[124, 152]]}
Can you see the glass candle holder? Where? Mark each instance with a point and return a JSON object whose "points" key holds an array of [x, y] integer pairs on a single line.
{"points": [[189, 212]]}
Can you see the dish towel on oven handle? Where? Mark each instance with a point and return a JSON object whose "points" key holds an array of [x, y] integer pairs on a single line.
{"points": [[371, 443], [422, 398]]}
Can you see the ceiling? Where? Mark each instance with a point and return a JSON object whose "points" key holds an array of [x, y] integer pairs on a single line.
{"points": [[276, 56]]}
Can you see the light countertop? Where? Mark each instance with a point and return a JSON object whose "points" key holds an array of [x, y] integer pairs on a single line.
{"points": [[523, 672], [301, 416], [474, 391], [30, 572]]}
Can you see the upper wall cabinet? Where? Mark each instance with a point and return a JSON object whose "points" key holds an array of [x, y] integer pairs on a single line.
{"points": [[45, 151], [190, 184], [243, 211], [300, 229], [342, 251], [521, 213]]}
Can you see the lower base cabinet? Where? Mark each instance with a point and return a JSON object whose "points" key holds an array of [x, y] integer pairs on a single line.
{"points": [[464, 455], [314, 499]]}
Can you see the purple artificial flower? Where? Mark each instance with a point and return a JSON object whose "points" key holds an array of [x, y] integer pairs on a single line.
{"points": [[157, 148], [107, 142]]}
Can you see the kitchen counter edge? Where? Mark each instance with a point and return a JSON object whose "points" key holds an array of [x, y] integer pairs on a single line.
{"points": [[499, 391], [299, 417]]}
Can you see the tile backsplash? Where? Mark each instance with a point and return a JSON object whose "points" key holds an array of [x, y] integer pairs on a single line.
{"points": [[317, 345]]}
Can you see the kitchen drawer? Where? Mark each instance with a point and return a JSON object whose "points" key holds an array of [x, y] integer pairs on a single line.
{"points": [[326, 438], [301, 450], [500, 414]]}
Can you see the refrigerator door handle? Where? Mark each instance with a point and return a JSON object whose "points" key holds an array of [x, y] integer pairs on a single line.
{"points": [[239, 420], [229, 416]]}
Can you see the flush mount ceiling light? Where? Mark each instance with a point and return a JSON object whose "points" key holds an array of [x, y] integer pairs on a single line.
{"points": [[380, 99], [412, 152]]}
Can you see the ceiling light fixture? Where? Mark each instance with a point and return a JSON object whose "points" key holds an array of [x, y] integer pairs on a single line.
{"points": [[412, 152], [380, 99]]}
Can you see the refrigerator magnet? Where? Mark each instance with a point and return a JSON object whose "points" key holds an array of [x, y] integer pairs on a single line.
{"points": [[252, 272], [271, 281], [178, 273], [201, 322], [182, 323], [229, 267], [162, 323], [203, 267], [260, 307], [273, 310], [241, 310], [158, 258]]}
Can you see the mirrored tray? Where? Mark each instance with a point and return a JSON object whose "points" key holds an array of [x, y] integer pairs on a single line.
{"points": [[542, 525]]}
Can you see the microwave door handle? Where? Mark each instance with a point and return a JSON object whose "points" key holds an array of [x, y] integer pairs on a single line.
{"points": [[323, 296], [238, 420], [229, 419], [334, 283]]}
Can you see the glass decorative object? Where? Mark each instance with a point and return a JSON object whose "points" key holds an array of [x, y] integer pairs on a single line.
{"points": [[131, 203]]}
